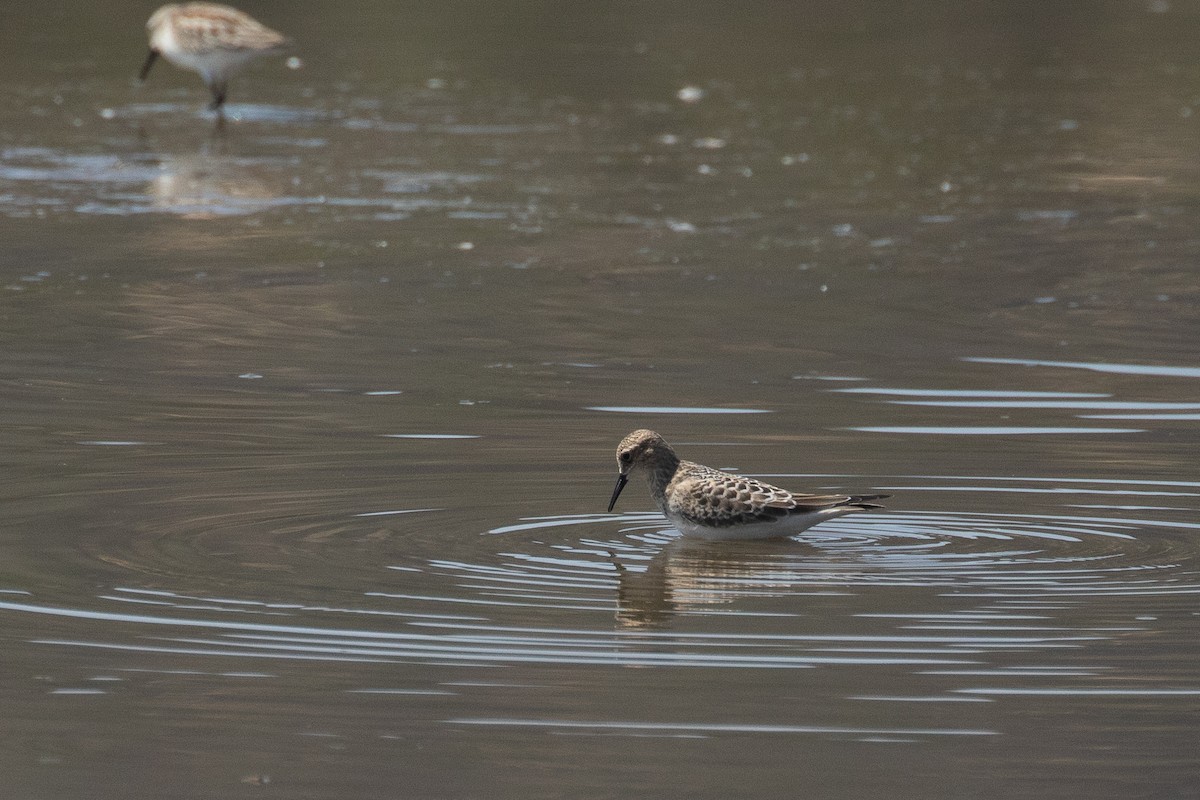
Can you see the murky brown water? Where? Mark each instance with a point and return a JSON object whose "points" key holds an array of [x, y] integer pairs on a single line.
{"points": [[309, 424]]}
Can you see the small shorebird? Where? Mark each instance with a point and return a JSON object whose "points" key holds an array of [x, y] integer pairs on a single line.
{"points": [[214, 40], [710, 504]]}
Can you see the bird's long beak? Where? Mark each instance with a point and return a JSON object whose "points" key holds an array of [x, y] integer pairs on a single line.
{"points": [[622, 479], [150, 59]]}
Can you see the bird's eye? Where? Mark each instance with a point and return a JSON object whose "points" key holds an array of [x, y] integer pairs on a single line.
{"points": [[626, 458]]}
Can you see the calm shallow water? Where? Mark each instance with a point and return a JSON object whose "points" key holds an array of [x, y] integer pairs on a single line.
{"points": [[310, 422]]}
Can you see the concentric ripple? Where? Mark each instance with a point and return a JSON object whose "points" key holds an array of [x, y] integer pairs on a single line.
{"points": [[943, 592], [1003, 556]]}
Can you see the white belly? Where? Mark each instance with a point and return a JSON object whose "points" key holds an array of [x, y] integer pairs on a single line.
{"points": [[215, 65], [787, 526]]}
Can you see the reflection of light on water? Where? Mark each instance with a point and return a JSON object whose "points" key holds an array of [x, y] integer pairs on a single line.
{"points": [[1030, 401], [479, 645], [112, 443], [1147, 417], [537, 523], [215, 182], [1119, 369], [713, 727], [676, 410], [1094, 405], [397, 512], [430, 436], [1023, 557], [995, 393], [988, 430], [234, 112], [1088, 692], [551, 589]]}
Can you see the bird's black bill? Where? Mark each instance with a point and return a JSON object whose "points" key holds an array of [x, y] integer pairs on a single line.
{"points": [[621, 481], [151, 57]]}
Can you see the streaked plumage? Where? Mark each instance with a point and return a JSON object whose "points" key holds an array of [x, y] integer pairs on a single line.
{"points": [[214, 40], [705, 502]]}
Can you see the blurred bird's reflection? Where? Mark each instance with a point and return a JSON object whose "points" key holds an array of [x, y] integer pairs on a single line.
{"points": [[695, 575], [210, 183]]}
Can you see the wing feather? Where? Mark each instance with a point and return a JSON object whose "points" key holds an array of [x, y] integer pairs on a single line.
{"points": [[705, 496], [210, 28]]}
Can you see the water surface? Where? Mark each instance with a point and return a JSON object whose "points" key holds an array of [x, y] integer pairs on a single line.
{"points": [[310, 419]]}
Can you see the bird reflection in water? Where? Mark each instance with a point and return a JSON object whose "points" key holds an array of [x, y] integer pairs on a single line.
{"points": [[213, 183], [690, 576]]}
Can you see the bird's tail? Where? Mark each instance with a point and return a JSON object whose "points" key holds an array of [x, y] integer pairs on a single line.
{"points": [[864, 500]]}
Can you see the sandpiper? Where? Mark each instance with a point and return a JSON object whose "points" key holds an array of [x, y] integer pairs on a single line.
{"points": [[214, 40], [710, 504]]}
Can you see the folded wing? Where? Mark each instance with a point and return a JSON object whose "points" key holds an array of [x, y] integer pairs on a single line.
{"points": [[717, 499]]}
